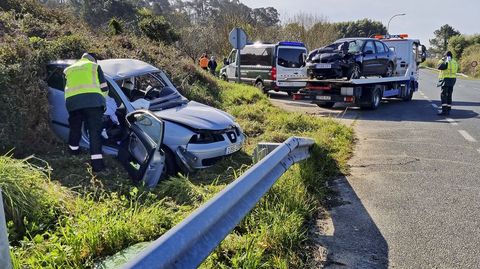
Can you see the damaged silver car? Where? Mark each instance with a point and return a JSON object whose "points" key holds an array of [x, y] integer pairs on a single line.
{"points": [[195, 135]]}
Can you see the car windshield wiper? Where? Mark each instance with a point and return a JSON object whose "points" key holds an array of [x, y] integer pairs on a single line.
{"points": [[168, 104]]}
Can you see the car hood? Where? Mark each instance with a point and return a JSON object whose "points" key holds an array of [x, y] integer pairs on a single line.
{"points": [[197, 116]]}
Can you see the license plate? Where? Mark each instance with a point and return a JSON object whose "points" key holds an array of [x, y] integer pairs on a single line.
{"points": [[323, 66], [292, 84], [233, 148], [324, 97]]}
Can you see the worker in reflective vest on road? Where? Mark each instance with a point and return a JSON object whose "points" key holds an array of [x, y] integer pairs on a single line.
{"points": [[446, 79], [85, 93]]}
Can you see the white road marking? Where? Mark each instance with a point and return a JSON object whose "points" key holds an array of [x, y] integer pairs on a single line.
{"points": [[478, 150], [467, 136], [435, 106], [452, 121]]}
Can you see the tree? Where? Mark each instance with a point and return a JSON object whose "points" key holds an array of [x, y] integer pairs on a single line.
{"points": [[360, 28], [99, 12], [156, 27], [457, 43], [440, 42]]}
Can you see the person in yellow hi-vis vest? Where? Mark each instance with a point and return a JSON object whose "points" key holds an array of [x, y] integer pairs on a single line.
{"points": [[446, 79], [85, 92]]}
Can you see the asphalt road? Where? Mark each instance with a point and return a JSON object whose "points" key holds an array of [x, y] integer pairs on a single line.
{"points": [[412, 199]]}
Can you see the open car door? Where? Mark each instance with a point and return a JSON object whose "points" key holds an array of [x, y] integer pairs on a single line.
{"points": [[140, 153]]}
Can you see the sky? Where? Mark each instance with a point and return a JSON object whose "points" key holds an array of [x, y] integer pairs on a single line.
{"points": [[421, 20]]}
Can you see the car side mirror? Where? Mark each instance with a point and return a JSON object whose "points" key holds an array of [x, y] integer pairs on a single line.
{"points": [[368, 52], [304, 57], [423, 53]]}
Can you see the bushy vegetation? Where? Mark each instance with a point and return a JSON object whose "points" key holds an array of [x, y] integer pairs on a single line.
{"points": [[54, 226], [465, 48]]}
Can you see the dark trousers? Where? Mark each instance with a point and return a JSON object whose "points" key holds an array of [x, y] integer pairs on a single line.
{"points": [[92, 117], [446, 97]]}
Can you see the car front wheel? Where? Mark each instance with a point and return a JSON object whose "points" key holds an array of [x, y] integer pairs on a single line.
{"points": [[170, 168], [354, 71]]}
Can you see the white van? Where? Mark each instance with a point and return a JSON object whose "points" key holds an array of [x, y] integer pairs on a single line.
{"points": [[269, 66]]}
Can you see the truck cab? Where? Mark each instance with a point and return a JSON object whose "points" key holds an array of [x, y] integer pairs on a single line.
{"points": [[410, 53]]}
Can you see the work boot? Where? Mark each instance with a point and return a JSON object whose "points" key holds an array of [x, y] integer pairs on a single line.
{"points": [[74, 152], [97, 165], [442, 113]]}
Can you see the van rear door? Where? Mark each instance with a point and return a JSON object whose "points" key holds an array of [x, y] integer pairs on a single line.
{"points": [[291, 65]]}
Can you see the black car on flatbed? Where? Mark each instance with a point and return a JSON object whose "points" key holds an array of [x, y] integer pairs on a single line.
{"points": [[352, 58]]}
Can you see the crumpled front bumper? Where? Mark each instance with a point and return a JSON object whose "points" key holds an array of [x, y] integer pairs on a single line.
{"points": [[335, 71], [199, 156]]}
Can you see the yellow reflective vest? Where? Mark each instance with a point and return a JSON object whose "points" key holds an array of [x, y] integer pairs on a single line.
{"points": [[451, 71], [82, 78]]}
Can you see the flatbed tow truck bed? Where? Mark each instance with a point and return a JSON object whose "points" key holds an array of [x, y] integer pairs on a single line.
{"points": [[367, 92], [364, 92]]}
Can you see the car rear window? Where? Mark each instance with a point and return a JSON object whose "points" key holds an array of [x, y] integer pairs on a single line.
{"points": [[289, 57], [256, 56]]}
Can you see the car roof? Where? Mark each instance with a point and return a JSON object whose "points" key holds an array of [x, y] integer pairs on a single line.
{"points": [[355, 38], [117, 68], [124, 68]]}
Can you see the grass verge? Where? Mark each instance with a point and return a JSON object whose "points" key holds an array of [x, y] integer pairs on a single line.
{"points": [[104, 215]]}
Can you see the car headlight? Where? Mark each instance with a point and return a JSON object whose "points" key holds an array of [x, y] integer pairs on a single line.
{"points": [[239, 129]]}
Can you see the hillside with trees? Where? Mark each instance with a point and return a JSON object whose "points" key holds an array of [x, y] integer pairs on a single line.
{"points": [[61, 215]]}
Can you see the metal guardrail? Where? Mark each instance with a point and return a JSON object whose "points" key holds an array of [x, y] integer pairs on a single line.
{"points": [[5, 261], [191, 241]]}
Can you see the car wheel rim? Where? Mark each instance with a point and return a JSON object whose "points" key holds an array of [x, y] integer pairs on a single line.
{"points": [[389, 70], [376, 100], [355, 72]]}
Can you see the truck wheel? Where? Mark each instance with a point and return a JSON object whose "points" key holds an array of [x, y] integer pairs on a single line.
{"points": [[326, 105], [375, 99], [354, 71], [409, 96]]}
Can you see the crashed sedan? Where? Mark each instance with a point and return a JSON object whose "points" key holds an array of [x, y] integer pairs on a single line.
{"points": [[352, 58], [195, 135]]}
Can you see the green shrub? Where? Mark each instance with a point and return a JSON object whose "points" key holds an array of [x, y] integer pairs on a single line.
{"points": [[470, 55], [430, 62]]}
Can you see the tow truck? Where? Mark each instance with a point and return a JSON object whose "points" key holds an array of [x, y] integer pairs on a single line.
{"points": [[368, 92]]}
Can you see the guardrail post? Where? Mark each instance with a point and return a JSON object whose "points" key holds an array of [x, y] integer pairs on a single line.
{"points": [[262, 150], [5, 260]]}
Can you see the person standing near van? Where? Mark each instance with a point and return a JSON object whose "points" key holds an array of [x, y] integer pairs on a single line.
{"points": [[448, 76], [204, 62], [212, 65], [85, 93]]}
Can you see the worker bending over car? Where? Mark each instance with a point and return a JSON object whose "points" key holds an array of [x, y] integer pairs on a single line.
{"points": [[85, 93]]}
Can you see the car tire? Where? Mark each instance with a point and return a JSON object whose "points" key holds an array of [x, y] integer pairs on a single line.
{"points": [[354, 71], [260, 86], [326, 105], [224, 78], [389, 72], [170, 168]]}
